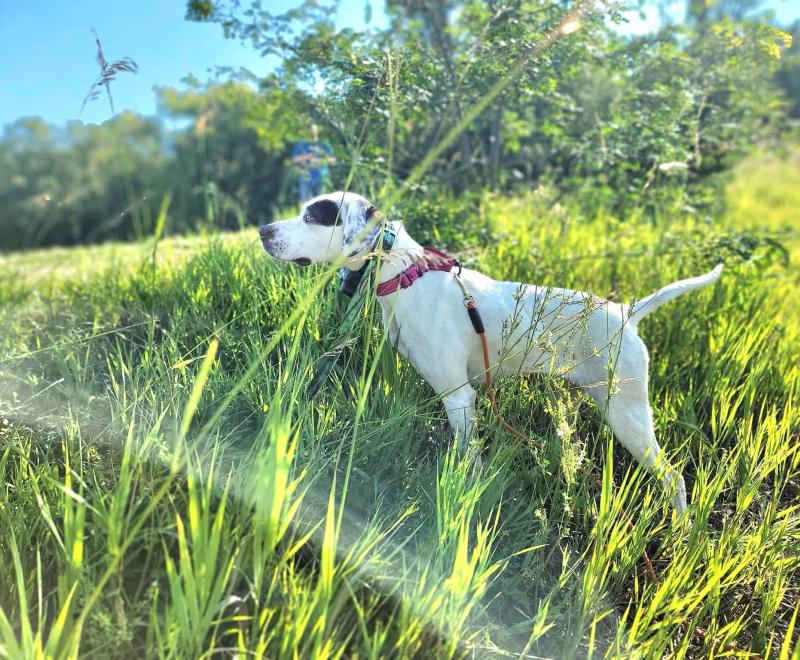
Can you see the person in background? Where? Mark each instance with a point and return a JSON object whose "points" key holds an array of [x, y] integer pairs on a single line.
{"points": [[311, 158]]}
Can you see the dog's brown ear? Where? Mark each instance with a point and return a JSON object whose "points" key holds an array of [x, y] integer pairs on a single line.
{"points": [[362, 224]]}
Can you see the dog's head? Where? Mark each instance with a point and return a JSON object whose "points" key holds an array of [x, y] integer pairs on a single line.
{"points": [[329, 226]]}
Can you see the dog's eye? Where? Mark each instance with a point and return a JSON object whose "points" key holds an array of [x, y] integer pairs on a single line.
{"points": [[324, 213], [307, 217]]}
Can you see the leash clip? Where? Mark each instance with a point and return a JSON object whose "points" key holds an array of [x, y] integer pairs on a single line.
{"points": [[469, 301]]}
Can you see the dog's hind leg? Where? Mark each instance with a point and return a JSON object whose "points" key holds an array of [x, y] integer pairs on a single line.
{"points": [[628, 414]]}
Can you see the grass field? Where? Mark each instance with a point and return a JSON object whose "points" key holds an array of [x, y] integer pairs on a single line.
{"points": [[172, 488]]}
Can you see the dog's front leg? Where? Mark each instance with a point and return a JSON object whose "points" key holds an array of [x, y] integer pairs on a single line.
{"points": [[460, 407], [452, 385], [446, 372]]}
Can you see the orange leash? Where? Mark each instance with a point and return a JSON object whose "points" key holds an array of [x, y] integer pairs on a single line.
{"points": [[491, 393], [477, 323]]}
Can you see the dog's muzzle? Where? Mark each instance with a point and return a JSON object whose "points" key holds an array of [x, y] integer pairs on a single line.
{"points": [[267, 232], [272, 245], [268, 236]]}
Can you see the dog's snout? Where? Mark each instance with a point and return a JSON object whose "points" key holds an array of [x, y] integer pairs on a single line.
{"points": [[266, 231]]}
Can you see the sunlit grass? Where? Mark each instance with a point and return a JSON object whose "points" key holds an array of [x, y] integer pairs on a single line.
{"points": [[170, 488]]}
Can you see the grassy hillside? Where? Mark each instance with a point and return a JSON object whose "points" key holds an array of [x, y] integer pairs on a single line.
{"points": [[172, 487]]}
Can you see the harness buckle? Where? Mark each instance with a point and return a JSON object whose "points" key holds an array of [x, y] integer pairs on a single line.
{"points": [[468, 300]]}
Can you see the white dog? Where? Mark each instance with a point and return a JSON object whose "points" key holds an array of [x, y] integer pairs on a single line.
{"points": [[591, 342]]}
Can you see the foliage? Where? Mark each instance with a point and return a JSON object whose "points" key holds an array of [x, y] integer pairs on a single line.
{"points": [[628, 125], [233, 153], [621, 120], [788, 75], [86, 183], [81, 183]]}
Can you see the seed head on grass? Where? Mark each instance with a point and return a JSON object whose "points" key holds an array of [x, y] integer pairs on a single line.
{"points": [[108, 73]]}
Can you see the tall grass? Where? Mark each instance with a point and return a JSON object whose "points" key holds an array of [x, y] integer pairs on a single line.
{"points": [[172, 488]]}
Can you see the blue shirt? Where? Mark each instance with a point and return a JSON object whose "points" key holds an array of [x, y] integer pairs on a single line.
{"points": [[317, 167]]}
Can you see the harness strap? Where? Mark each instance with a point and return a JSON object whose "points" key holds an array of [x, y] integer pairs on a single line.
{"points": [[433, 259]]}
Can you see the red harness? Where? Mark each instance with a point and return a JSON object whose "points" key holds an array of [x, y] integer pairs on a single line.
{"points": [[433, 259]]}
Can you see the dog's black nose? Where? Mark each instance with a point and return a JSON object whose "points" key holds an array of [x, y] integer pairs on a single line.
{"points": [[266, 231]]}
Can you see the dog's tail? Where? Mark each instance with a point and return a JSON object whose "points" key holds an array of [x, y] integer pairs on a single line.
{"points": [[641, 308]]}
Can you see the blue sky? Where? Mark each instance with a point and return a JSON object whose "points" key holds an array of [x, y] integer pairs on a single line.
{"points": [[47, 50]]}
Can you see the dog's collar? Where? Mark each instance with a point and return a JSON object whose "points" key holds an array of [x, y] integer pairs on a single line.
{"points": [[352, 278], [389, 235]]}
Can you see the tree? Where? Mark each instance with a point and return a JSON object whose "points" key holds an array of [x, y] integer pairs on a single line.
{"points": [[225, 167], [80, 182], [595, 112], [230, 159]]}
